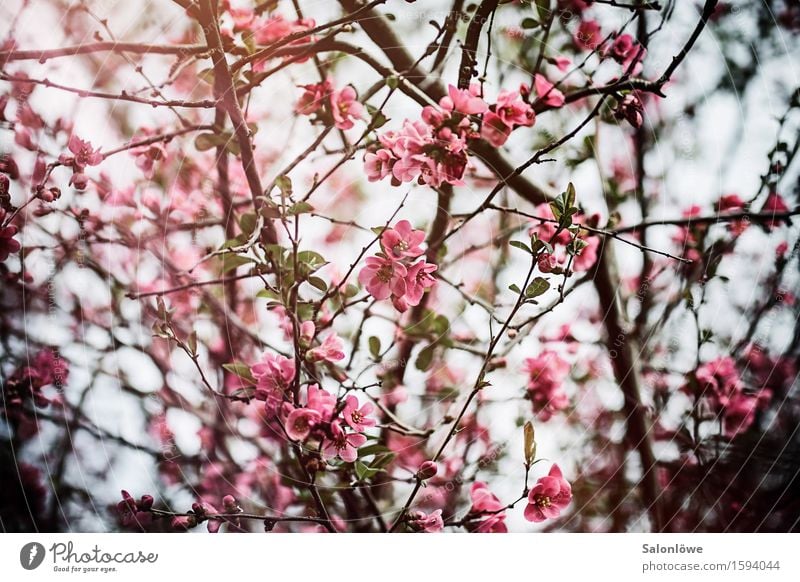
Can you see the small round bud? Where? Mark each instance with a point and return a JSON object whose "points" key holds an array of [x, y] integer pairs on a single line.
{"points": [[427, 470]]}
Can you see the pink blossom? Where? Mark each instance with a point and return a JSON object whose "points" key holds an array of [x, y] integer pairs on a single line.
{"points": [[134, 512], [774, 204], [551, 494], [730, 202], [486, 505], [623, 49], [8, 244], [321, 400], [418, 279], [547, 92], [79, 180], [345, 107], [242, 18], [344, 446], [314, 97], [84, 154], [300, 422], [733, 203], [273, 374], [562, 63], [630, 108], [307, 330], [589, 35], [719, 384], [547, 263], [494, 129], [467, 101], [355, 417], [378, 165], [427, 470], [428, 523], [330, 350], [547, 373], [402, 241], [383, 277], [278, 27], [740, 413], [513, 110]]}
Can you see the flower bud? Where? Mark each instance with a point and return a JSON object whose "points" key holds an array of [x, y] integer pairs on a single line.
{"points": [[427, 470], [547, 263], [229, 503], [307, 330]]}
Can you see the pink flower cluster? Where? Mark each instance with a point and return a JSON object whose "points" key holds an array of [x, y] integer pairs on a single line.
{"points": [[135, 513], [393, 272], [719, 385], [551, 494], [426, 522], [433, 150], [341, 106], [623, 48], [274, 374], [547, 373], [339, 432], [46, 368], [8, 244], [82, 155], [489, 508]]}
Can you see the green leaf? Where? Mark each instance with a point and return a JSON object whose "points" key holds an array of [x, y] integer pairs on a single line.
{"points": [[570, 196], [241, 370], [318, 283], [374, 346], [392, 82], [231, 261], [529, 23], [248, 223], [537, 287], [425, 359], [284, 184], [299, 208], [205, 141], [373, 449], [515, 288], [379, 120], [555, 207], [520, 245], [543, 7], [364, 472], [312, 259], [267, 294]]}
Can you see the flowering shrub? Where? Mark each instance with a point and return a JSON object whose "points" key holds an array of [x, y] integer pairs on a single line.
{"points": [[353, 273]]}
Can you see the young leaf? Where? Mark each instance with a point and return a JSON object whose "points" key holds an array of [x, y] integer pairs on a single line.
{"points": [[241, 370], [374, 346], [537, 287], [520, 245], [425, 359], [530, 443]]}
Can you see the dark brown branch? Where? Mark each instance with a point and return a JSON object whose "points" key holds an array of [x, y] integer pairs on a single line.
{"points": [[106, 46], [226, 87], [470, 49], [623, 354]]}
